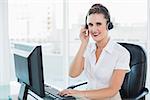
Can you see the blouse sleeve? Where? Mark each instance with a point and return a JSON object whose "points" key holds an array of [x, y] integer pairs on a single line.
{"points": [[123, 61]]}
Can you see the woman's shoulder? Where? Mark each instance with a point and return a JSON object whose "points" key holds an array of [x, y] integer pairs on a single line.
{"points": [[119, 48]]}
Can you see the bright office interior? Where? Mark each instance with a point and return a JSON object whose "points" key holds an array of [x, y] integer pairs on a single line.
{"points": [[55, 24]]}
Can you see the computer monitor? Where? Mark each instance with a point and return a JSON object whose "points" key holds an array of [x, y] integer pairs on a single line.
{"points": [[29, 69]]}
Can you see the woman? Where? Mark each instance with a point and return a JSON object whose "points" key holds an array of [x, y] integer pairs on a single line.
{"points": [[105, 62]]}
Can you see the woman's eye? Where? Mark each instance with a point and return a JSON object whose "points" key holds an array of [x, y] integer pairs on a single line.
{"points": [[98, 24], [90, 25]]}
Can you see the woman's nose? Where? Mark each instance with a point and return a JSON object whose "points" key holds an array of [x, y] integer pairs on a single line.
{"points": [[94, 29]]}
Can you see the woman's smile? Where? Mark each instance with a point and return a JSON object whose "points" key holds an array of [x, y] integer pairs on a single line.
{"points": [[96, 34]]}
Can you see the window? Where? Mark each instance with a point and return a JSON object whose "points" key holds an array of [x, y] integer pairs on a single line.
{"points": [[40, 21]]}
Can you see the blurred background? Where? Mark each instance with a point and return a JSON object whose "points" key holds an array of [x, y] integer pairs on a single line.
{"points": [[55, 24]]}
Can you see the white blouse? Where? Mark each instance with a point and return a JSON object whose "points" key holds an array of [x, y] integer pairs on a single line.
{"points": [[114, 56]]}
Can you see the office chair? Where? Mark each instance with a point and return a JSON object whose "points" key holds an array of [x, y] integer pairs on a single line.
{"points": [[133, 87], [134, 83]]}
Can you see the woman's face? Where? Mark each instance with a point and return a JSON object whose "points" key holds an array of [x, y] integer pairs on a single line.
{"points": [[97, 26]]}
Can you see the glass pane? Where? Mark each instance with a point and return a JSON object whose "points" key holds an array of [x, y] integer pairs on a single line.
{"points": [[41, 22]]}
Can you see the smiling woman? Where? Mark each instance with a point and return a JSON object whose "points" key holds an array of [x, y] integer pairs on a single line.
{"points": [[104, 62], [129, 25]]}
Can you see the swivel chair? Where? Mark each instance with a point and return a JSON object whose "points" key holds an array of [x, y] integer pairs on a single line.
{"points": [[133, 87]]}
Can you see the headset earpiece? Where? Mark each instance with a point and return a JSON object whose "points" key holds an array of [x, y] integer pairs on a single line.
{"points": [[110, 25], [86, 26]]}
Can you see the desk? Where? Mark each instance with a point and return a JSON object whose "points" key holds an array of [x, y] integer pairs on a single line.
{"points": [[4, 92], [9, 91]]}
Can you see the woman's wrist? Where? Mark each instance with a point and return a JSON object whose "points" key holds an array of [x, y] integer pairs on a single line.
{"points": [[84, 94], [84, 44]]}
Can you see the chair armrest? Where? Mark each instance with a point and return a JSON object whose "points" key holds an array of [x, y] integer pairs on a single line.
{"points": [[74, 86], [144, 92]]}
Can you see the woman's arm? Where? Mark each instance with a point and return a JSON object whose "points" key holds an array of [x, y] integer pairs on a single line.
{"points": [[77, 65], [112, 90]]}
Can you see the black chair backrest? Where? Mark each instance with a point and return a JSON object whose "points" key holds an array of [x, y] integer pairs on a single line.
{"points": [[134, 80]]}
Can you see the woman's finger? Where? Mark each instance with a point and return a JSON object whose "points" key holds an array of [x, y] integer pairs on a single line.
{"points": [[64, 92]]}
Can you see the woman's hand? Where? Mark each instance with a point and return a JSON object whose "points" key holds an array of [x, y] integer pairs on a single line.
{"points": [[71, 92], [84, 35]]}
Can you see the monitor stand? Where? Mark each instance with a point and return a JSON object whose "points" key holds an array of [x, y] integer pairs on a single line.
{"points": [[23, 92]]}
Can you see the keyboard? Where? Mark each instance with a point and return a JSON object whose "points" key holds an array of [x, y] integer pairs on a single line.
{"points": [[51, 93]]}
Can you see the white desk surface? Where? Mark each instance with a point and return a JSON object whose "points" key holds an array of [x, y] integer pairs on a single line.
{"points": [[6, 91]]}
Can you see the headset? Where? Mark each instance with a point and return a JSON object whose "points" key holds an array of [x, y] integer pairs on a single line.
{"points": [[102, 10]]}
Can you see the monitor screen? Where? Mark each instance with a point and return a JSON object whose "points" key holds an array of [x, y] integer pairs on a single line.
{"points": [[29, 67]]}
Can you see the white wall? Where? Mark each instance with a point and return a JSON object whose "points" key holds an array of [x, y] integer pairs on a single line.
{"points": [[4, 44]]}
